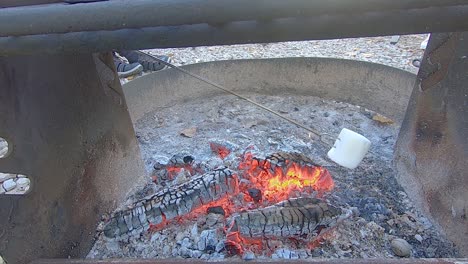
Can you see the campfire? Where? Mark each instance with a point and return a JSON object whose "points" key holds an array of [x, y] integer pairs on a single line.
{"points": [[262, 199], [244, 185]]}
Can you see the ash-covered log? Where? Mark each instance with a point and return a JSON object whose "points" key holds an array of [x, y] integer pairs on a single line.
{"points": [[293, 217], [171, 202]]}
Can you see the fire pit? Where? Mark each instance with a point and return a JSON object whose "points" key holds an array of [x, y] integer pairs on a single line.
{"points": [[229, 180]]}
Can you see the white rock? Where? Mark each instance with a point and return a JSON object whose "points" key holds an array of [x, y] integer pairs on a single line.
{"points": [[9, 185], [400, 247], [418, 237], [1, 260]]}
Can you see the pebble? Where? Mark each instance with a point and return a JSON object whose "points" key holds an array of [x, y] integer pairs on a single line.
{"points": [[248, 255], [418, 237], [9, 185], [401, 248]]}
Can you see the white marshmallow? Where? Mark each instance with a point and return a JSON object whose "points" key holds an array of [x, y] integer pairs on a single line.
{"points": [[349, 149]]}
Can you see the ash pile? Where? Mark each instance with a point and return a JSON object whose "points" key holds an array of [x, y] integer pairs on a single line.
{"points": [[230, 181]]}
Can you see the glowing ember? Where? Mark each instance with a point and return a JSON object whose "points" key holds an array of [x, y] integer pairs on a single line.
{"points": [[278, 182], [246, 198], [220, 150]]}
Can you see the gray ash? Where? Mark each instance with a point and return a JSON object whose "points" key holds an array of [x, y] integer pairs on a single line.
{"points": [[379, 208]]}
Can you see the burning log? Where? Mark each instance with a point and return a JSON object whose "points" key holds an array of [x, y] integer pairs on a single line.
{"points": [[171, 202], [293, 217], [279, 174]]}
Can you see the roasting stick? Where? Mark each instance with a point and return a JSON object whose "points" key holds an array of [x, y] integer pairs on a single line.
{"points": [[219, 86], [349, 148]]}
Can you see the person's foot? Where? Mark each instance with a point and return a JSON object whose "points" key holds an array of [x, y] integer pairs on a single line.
{"points": [[127, 69], [416, 63], [148, 61]]}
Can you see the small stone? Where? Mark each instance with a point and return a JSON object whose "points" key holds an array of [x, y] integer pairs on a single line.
{"points": [[418, 237], [189, 132], [248, 255], [401, 248], [9, 185], [326, 114]]}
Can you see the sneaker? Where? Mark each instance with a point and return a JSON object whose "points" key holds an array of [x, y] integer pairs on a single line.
{"points": [[148, 61], [127, 69], [416, 63]]}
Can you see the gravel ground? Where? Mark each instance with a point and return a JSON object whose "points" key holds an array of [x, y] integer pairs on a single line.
{"points": [[375, 49]]}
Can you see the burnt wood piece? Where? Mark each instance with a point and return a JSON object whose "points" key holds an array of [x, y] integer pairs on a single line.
{"points": [[293, 217], [281, 158], [171, 202]]}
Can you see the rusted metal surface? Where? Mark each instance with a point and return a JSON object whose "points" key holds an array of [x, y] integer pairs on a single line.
{"points": [[437, 60], [432, 148], [66, 120], [316, 261], [326, 25], [116, 15]]}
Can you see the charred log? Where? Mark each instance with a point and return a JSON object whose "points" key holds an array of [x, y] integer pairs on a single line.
{"points": [[171, 202], [293, 217]]}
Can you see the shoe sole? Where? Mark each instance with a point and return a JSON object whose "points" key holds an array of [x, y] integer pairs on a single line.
{"points": [[131, 72]]}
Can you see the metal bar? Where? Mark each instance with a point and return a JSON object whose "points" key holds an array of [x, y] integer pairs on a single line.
{"points": [[125, 14], [289, 29], [315, 261]]}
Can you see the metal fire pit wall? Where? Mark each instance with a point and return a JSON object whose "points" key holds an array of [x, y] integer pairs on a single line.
{"points": [[69, 131], [390, 87], [432, 148]]}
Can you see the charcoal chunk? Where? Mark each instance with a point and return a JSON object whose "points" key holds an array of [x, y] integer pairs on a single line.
{"points": [[216, 210], [256, 194]]}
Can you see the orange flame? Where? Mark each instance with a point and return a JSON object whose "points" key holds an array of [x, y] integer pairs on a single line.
{"points": [[277, 183]]}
